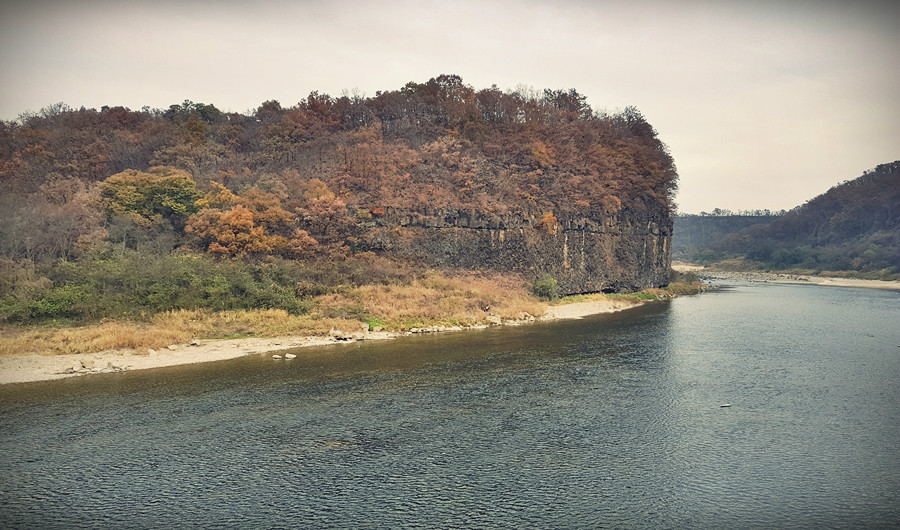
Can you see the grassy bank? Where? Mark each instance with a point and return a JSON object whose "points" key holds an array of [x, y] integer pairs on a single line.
{"points": [[435, 299], [126, 303]]}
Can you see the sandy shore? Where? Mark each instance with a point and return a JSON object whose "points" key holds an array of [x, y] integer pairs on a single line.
{"points": [[583, 309], [799, 279], [33, 367]]}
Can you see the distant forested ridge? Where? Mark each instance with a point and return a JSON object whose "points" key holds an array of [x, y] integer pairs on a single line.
{"points": [[854, 226], [694, 236], [330, 178]]}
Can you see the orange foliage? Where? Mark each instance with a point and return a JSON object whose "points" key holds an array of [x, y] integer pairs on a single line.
{"points": [[542, 154], [549, 223], [251, 224]]}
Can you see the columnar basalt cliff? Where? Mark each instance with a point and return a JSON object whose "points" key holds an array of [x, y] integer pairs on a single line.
{"points": [[627, 251]]}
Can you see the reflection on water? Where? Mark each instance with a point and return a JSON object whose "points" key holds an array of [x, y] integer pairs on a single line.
{"points": [[609, 421]]}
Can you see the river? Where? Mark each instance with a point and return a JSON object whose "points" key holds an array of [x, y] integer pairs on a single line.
{"points": [[610, 421]]}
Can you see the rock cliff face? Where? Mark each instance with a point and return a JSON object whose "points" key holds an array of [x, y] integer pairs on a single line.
{"points": [[627, 251]]}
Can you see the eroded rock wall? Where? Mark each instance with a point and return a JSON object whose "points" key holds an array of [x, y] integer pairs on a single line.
{"points": [[627, 251]]}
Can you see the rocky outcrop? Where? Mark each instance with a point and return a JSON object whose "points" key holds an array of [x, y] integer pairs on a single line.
{"points": [[626, 251]]}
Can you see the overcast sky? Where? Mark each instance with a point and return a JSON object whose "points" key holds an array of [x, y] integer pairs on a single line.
{"points": [[762, 104]]}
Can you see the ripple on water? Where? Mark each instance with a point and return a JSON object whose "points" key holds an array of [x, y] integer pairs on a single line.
{"points": [[613, 421]]}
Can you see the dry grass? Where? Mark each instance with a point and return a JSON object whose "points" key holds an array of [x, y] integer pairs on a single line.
{"points": [[437, 299], [173, 327], [440, 299], [92, 338], [258, 322], [576, 298]]}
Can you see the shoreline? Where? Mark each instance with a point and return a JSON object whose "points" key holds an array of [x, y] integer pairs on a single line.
{"points": [[798, 279], [29, 368]]}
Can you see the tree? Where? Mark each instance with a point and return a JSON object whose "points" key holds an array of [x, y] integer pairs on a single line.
{"points": [[63, 219], [549, 223], [252, 224], [546, 287], [324, 214], [152, 197], [231, 233]]}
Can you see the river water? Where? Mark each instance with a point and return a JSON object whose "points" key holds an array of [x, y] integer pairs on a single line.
{"points": [[611, 421]]}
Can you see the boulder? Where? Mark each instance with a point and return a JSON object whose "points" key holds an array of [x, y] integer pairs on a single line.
{"points": [[338, 334]]}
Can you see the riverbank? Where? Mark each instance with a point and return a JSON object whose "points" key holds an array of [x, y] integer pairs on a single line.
{"points": [[782, 277], [30, 367]]}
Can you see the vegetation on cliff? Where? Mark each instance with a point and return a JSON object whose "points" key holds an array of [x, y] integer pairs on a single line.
{"points": [[853, 227], [116, 213]]}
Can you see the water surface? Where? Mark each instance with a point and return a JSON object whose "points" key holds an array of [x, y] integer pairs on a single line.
{"points": [[609, 421]]}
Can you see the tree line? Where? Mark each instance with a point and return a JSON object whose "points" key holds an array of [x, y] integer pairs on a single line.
{"points": [[725, 212]]}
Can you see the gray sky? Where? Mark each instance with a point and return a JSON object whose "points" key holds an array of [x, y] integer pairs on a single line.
{"points": [[762, 104]]}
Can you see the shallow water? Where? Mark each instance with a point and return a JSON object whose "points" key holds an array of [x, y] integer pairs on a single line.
{"points": [[609, 421]]}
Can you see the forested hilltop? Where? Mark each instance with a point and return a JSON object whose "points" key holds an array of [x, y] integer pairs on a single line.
{"points": [[120, 212], [854, 226]]}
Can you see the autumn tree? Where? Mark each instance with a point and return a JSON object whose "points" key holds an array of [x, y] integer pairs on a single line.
{"points": [[252, 224], [324, 214], [548, 223], [434, 143], [60, 221], [161, 194]]}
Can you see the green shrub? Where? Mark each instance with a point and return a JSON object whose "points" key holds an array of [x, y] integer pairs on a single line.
{"points": [[685, 277], [546, 288], [679, 288], [66, 301], [120, 282]]}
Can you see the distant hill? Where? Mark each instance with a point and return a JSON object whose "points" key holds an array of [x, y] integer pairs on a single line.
{"points": [[693, 236], [853, 226]]}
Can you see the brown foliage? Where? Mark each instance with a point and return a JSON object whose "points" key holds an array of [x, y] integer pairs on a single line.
{"points": [[438, 143], [252, 224], [549, 223]]}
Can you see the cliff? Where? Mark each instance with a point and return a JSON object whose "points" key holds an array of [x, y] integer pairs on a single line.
{"points": [[623, 252]]}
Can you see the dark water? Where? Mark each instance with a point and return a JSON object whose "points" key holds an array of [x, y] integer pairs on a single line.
{"points": [[612, 421]]}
